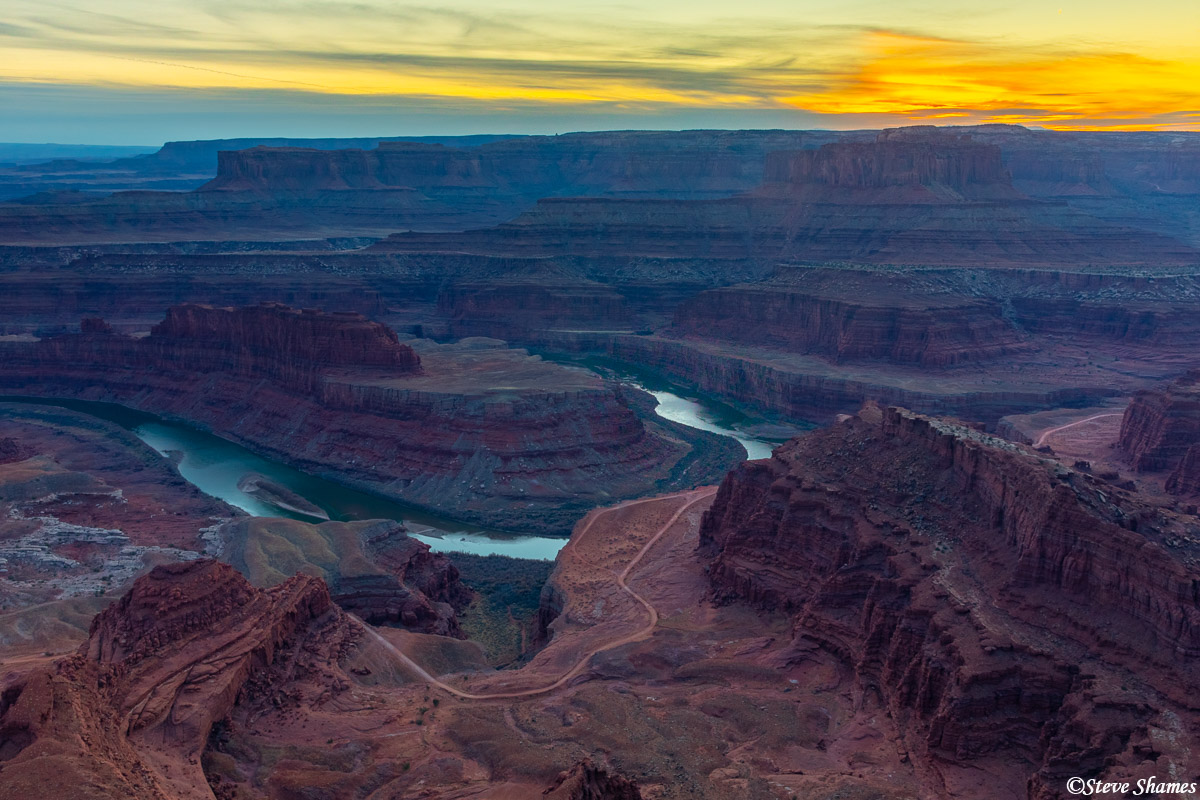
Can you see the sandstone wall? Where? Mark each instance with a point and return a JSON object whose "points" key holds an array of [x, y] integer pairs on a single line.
{"points": [[1160, 425], [964, 579]]}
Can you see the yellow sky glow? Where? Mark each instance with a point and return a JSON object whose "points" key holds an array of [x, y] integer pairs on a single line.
{"points": [[931, 79], [1087, 65]]}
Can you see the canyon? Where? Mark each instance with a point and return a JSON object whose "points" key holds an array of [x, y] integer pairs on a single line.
{"points": [[971, 572], [893, 606], [294, 189], [86, 507], [796, 272]]}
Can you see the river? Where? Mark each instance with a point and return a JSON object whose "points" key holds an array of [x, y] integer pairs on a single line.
{"points": [[216, 466]]}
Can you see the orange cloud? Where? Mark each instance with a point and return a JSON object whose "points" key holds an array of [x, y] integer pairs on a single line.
{"points": [[925, 78]]}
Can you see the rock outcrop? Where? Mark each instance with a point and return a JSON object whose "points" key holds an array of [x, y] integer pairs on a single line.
{"points": [[131, 713], [11, 450], [373, 568], [1185, 478], [288, 345], [586, 781], [1161, 425], [1005, 610]]}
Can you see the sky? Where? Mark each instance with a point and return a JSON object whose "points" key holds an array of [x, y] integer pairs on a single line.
{"points": [[147, 71]]}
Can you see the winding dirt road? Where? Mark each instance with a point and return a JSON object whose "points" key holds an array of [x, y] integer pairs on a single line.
{"points": [[689, 499], [1046, 434]]}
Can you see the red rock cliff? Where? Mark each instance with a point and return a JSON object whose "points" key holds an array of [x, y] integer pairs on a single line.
{"points": [[129, 715], [1185, 478], [909, 197], [285, 338], [996, 603], [1161, 424], [669, 163]]}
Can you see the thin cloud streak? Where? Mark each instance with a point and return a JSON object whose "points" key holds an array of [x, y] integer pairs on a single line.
{"points": [[837, 67]]}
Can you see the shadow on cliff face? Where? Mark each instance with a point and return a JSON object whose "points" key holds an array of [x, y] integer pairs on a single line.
{"points": [[1013, 614]]}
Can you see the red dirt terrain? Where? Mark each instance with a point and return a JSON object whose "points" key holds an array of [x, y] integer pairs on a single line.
{"points": [[85, 507], [129, 715], [675, 698]]}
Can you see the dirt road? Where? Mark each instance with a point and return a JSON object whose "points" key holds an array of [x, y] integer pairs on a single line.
{"points": [[1046, 434], [689, 499]]}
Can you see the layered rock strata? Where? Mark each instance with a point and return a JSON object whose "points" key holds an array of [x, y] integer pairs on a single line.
{"points": [[447, 183], [908, 197], [681, 163], [808, 387], [1185, 477], [1005, 611], [487, 434], [1161, 425], [911, 165], [847, 315], [1139, 182]]}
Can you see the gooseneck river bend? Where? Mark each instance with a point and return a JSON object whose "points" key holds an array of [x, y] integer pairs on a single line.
{"points": [[216, 466]]}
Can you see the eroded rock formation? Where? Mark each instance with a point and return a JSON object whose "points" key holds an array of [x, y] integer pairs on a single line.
{"points": [[1002, 608], [586, 781], [373, 568], [340, 339], [1161, 425], [130, 714], [912, 165], [294, 188], [12, 450], [1185, 477], [919, 196]]}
